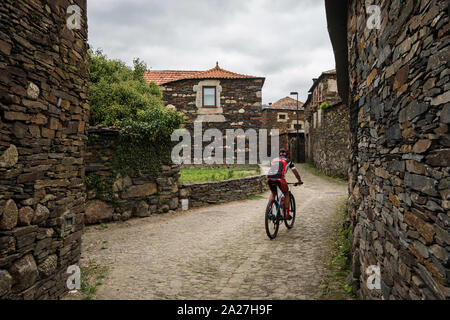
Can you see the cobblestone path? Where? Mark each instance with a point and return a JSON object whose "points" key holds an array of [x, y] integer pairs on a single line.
{"points": [[219, 252]]}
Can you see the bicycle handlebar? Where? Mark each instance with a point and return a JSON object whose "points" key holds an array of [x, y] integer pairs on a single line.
{"points": [[294, 183]]}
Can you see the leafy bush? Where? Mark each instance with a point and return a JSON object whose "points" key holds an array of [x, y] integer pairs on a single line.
{"points": [[121, 97], [323, 105], [118, 92]]}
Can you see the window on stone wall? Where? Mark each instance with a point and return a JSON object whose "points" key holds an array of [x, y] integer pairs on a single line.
{"points": [[209, 97], [296, 126], [319, 92], [319, 118], [282, 117]]}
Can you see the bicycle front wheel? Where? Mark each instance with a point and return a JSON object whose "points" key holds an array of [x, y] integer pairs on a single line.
{"points": [[290, 223], [272, 220]]}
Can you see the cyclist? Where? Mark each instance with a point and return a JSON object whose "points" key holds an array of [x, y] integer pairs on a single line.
{"points": [[276, 177]]}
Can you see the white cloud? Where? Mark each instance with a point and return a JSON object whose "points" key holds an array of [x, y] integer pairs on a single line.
{"points": [[285, 41]]}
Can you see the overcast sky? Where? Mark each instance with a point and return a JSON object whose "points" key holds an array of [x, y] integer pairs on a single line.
{"points": [[285, 41]]}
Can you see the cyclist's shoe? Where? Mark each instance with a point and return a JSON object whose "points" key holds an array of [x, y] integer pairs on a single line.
{"points": [[288, 217]]}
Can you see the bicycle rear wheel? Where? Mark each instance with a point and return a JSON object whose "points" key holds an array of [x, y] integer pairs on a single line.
{"points": [[272, 220], [292, 209]]}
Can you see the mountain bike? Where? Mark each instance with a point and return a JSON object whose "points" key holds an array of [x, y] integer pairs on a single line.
{"points": [[274, 215]]}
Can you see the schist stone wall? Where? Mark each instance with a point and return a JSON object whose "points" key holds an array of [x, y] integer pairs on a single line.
{"points": [[207, 193], [118, 197], [239, 106], [123, 197], [400, 185], [43, 111], [319, 128], [330, 141]]}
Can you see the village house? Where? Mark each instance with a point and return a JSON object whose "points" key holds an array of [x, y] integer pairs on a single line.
{"points": [[323, 90], [221, 99], [327, 132], [216, 97], [282, 115]]}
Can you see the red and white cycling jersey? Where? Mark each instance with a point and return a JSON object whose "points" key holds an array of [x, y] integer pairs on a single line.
{"points": [[279, 167]]}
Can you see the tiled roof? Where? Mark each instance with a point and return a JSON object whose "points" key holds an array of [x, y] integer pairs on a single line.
{"points": [[165, 76], [287, 103], [324, 73], [332, 71]]}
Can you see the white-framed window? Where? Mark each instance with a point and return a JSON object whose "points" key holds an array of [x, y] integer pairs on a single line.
{"points": [[207, 101], [282, 117], [299, 126], [319, 117], [209, 97], [317, 93]]}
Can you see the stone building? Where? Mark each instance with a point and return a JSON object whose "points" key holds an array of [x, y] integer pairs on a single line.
{"points": [[282, 115], [43, 112], [218, 98], [394, 76], [327, 133]]}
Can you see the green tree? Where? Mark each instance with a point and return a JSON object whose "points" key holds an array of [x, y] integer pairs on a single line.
{"points": [[118, 92], [120, 96]]}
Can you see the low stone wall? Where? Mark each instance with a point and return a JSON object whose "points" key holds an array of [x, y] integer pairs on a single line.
{"points": [[122, 197], [205, 193], [118, 197], [330, 142]]}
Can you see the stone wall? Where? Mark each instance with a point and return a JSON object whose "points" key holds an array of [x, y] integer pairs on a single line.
{"points": [[124, 197], [43, 111], [206, 193], [399, 98], [324, 127], [118, 197], [330, 142]]}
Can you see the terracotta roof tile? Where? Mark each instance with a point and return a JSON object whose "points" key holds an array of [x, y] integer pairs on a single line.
{"points": [[165, 76], [332, 71], [286, 103], [317, 80]]}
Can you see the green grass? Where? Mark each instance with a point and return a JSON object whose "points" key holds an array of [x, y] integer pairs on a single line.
{"points": [[338, 263], [311, 169], [214, 174], [91, 276]]}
